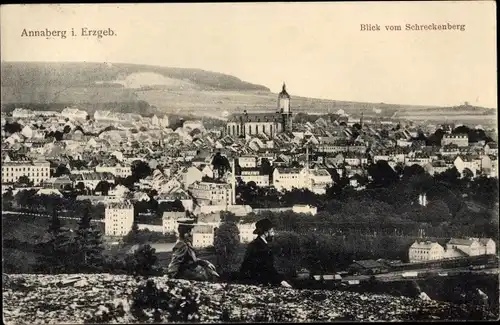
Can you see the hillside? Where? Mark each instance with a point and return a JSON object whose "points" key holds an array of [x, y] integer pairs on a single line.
{"points": [[72, 74], [106, 298], [162, 90]]}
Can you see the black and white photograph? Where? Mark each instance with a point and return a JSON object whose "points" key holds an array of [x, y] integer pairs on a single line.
{"points": [[294, 162]]}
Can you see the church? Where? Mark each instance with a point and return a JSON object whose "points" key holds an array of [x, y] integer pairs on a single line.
{"points": [[245, 123]]}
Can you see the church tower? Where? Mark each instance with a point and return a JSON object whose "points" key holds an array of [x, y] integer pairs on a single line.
{"points": [[284, 109]]}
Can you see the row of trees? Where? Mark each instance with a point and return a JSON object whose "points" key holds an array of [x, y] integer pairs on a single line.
{"points": [[65, 251], [82, 251], [137, 236], [322, 253], [30, 201], [390, 200], [314, 250]]}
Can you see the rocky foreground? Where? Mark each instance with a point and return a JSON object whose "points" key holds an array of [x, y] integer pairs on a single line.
{"points": [[106, 298]]}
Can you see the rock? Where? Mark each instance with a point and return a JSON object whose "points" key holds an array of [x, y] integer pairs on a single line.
{"points": [[81, 283], [424, 296], [111, 296]]}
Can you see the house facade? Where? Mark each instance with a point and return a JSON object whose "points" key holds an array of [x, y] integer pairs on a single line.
{"points": [[37, 171], [118, 218], [211, 193], [421, 251]]}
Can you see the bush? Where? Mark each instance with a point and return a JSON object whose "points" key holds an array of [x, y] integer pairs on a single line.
{"points": [[177, 304], [143, 262]]}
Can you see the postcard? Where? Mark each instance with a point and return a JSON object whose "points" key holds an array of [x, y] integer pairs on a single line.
{"points": [[249, 162]]}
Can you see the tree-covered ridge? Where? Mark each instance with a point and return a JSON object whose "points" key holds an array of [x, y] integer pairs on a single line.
{"points": [[85, 74]]}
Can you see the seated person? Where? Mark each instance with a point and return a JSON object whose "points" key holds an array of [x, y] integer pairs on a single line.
{"points": [[258, 264], [185, 264]]}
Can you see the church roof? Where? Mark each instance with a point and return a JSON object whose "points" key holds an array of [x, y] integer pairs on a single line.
{"points": [[255, 117]]}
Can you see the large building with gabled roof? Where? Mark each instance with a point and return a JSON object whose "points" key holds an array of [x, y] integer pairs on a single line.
{"points": [[269, 123]]}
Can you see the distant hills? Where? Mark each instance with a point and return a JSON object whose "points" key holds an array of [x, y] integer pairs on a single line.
{"points": [[148, 89]]}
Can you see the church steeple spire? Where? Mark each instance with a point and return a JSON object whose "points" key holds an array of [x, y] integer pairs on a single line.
{"points": [[283, 93], [284, 109]]}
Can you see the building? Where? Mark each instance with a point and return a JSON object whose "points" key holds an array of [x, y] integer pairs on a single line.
{"points": [[458, 247], [425, 251], [60, 183], [117, 171], [468, 162], [289, 178], [367, 267], [253, 175], [37, 171], [246, 232], [315, 180], [203, 235], [169, 221], [211, 193], [304, 208], [74, 114], [91, 179], [461, 140], [320, 179], [247, 161], [22, 113], [491, 148], [118, 218], [263, 123]]}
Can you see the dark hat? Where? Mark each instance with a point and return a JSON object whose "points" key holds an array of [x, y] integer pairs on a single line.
{"points": [[262, 225]]}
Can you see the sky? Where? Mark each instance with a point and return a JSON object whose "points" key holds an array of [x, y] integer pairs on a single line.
{"points": [[318, 49]]}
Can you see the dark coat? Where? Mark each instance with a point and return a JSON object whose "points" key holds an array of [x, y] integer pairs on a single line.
{"points": [[258, 265], [185, 264]]}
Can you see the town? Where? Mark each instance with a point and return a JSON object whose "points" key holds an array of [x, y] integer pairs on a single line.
{"points": [[139, 174]]}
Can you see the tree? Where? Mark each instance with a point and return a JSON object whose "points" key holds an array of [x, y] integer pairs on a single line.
{"points": [[58, 135], [80, 186], [153, 193], [287, 250], [61, 170], [55, 223], [132, 235], [450, 176], [7, 200], [435, 139], [413, 170], [103, 187], [265, 167], [227, 216], [24, 180], [467, 175], [12, 127], [89, 244], [59, 251], [140, 169], [226, 242], [220, 164], [382, 174], [142, 261], [67, 129]]}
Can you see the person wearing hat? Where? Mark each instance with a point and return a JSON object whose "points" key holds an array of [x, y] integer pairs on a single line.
{"points": [[258, 264], [185, 264]]}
